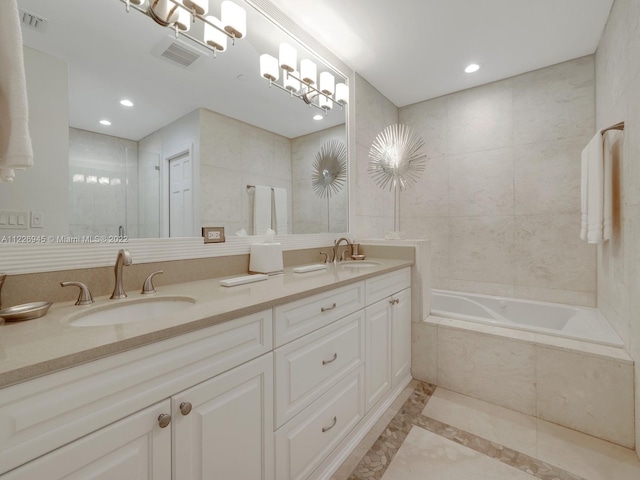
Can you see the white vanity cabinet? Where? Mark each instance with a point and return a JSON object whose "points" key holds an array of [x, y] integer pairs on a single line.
{"points": [[60, 409], [337, 368], [388, 333], [222, 428], [134, 448]]}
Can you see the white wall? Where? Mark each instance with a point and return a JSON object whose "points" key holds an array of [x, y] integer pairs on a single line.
{"points": [[44, 186], [618, 99]]}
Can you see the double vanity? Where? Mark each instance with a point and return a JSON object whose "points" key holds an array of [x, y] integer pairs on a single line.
{"points": [[278, 379]]}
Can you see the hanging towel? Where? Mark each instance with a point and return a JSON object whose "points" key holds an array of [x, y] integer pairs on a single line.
{"points": [[597, 188], [261, 210], [15, 143], [280, 207]]}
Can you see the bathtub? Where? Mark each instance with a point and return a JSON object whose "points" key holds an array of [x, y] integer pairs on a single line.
{"points": [[577, 323]]}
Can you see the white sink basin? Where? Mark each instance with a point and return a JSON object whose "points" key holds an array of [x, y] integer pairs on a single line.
{"points": [[129, 311], [359, 264]]}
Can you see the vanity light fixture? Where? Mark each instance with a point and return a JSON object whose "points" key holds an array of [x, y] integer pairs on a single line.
{"points": [[106, 123], [474, 67], [180, 14], [126, 103], [303, 84]]}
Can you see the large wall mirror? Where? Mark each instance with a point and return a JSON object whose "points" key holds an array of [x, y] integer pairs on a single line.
{"points": [[202, 131]]}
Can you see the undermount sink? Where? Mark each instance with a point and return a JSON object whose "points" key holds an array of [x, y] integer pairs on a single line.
{"points": [[360, 264], [130, 311]]}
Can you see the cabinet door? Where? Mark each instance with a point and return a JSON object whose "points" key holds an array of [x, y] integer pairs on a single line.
{"points": [[134, 448], [400, 336], [228, 432], [378, 356]]}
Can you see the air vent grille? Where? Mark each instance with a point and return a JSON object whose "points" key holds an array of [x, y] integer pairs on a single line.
{"points": [[33, 21], [180, 55]]}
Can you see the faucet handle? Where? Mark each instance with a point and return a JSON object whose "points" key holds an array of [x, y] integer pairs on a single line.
{"points": [[85, 297], [147, 288], [326, 257]]}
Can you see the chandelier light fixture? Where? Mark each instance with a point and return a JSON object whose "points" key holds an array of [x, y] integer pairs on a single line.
{"points": [[303, 83], [179, 15]]}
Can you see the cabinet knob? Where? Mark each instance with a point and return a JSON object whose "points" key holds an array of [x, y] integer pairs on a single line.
{"points": [[326, 429], [164, 420], [393, 301], [185, 408]]}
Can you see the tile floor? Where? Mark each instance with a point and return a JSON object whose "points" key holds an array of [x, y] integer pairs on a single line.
{"points": [[434, 433]]}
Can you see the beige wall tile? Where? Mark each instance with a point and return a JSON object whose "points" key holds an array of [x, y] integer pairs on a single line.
{"points": [[489, 368], [574, 390]]}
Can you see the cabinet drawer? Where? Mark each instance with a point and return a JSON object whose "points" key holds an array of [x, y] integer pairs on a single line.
{"points": [[308, 314], [47, 412], [380, 287], [305, 441], [307, 367]]}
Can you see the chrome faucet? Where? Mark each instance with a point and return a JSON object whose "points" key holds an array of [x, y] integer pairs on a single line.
{"points": [[3, 277], [124, 258], [336, 245]]}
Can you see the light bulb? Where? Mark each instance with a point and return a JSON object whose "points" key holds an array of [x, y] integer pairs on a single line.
{"points": [[269, 67], [288, 57], [214, 37], [324, 102], [342, 93], [308, 71], [184, 20], [234, 19], [327, 83]]}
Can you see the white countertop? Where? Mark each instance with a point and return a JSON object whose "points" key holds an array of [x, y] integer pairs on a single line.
{"points": [[37, 347]]}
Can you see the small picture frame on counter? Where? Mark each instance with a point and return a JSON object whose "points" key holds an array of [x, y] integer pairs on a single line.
{"points": [[213, 234]]}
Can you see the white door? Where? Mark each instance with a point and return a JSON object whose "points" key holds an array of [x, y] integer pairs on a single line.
{"points": [[228, 432], [401, 336], [378, 348], [181, 196], [134, 448]]}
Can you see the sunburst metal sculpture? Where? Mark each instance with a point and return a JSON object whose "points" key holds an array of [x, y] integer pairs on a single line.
{"points": [[329, 169], [395, 157]]}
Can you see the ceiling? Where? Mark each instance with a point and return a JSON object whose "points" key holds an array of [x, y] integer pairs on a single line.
{"points": [[414, 50]]}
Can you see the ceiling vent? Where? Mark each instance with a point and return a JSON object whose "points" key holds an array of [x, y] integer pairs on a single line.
{"points": [[33, 21], [177, 52]]}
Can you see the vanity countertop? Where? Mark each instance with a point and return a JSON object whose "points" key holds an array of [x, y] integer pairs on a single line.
{"points": [[44, 345]]}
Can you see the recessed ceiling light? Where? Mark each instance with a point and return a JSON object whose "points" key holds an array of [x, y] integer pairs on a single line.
{"points": [[318, 117], [474, 67], [126, 103], [105, 122]]}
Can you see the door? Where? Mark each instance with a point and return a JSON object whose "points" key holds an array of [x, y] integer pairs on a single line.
{"points": [[223, 427], [400, 336], [134, 448], [378, 348], [181, 196]]}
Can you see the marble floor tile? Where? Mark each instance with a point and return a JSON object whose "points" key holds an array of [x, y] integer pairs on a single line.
{"points": [[584, 455], [497, 424], [427, 455]]}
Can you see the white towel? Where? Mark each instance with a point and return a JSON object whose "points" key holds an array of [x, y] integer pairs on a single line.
{"points": [[280, 207], [596, 190], [261, 210], [15, 143]]}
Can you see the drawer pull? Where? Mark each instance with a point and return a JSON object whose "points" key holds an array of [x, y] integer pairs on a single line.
{"points": [[326, 309], [335, 357], [393, 301], [326, 429], [185, 408], [164, 420]]}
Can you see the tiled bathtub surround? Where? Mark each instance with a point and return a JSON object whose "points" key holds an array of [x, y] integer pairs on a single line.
{"points": [[583, 386], [618, 99], [500, 197]]}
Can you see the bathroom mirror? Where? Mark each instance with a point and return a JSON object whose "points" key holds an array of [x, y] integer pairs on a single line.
{"points": [[214, 119]]}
